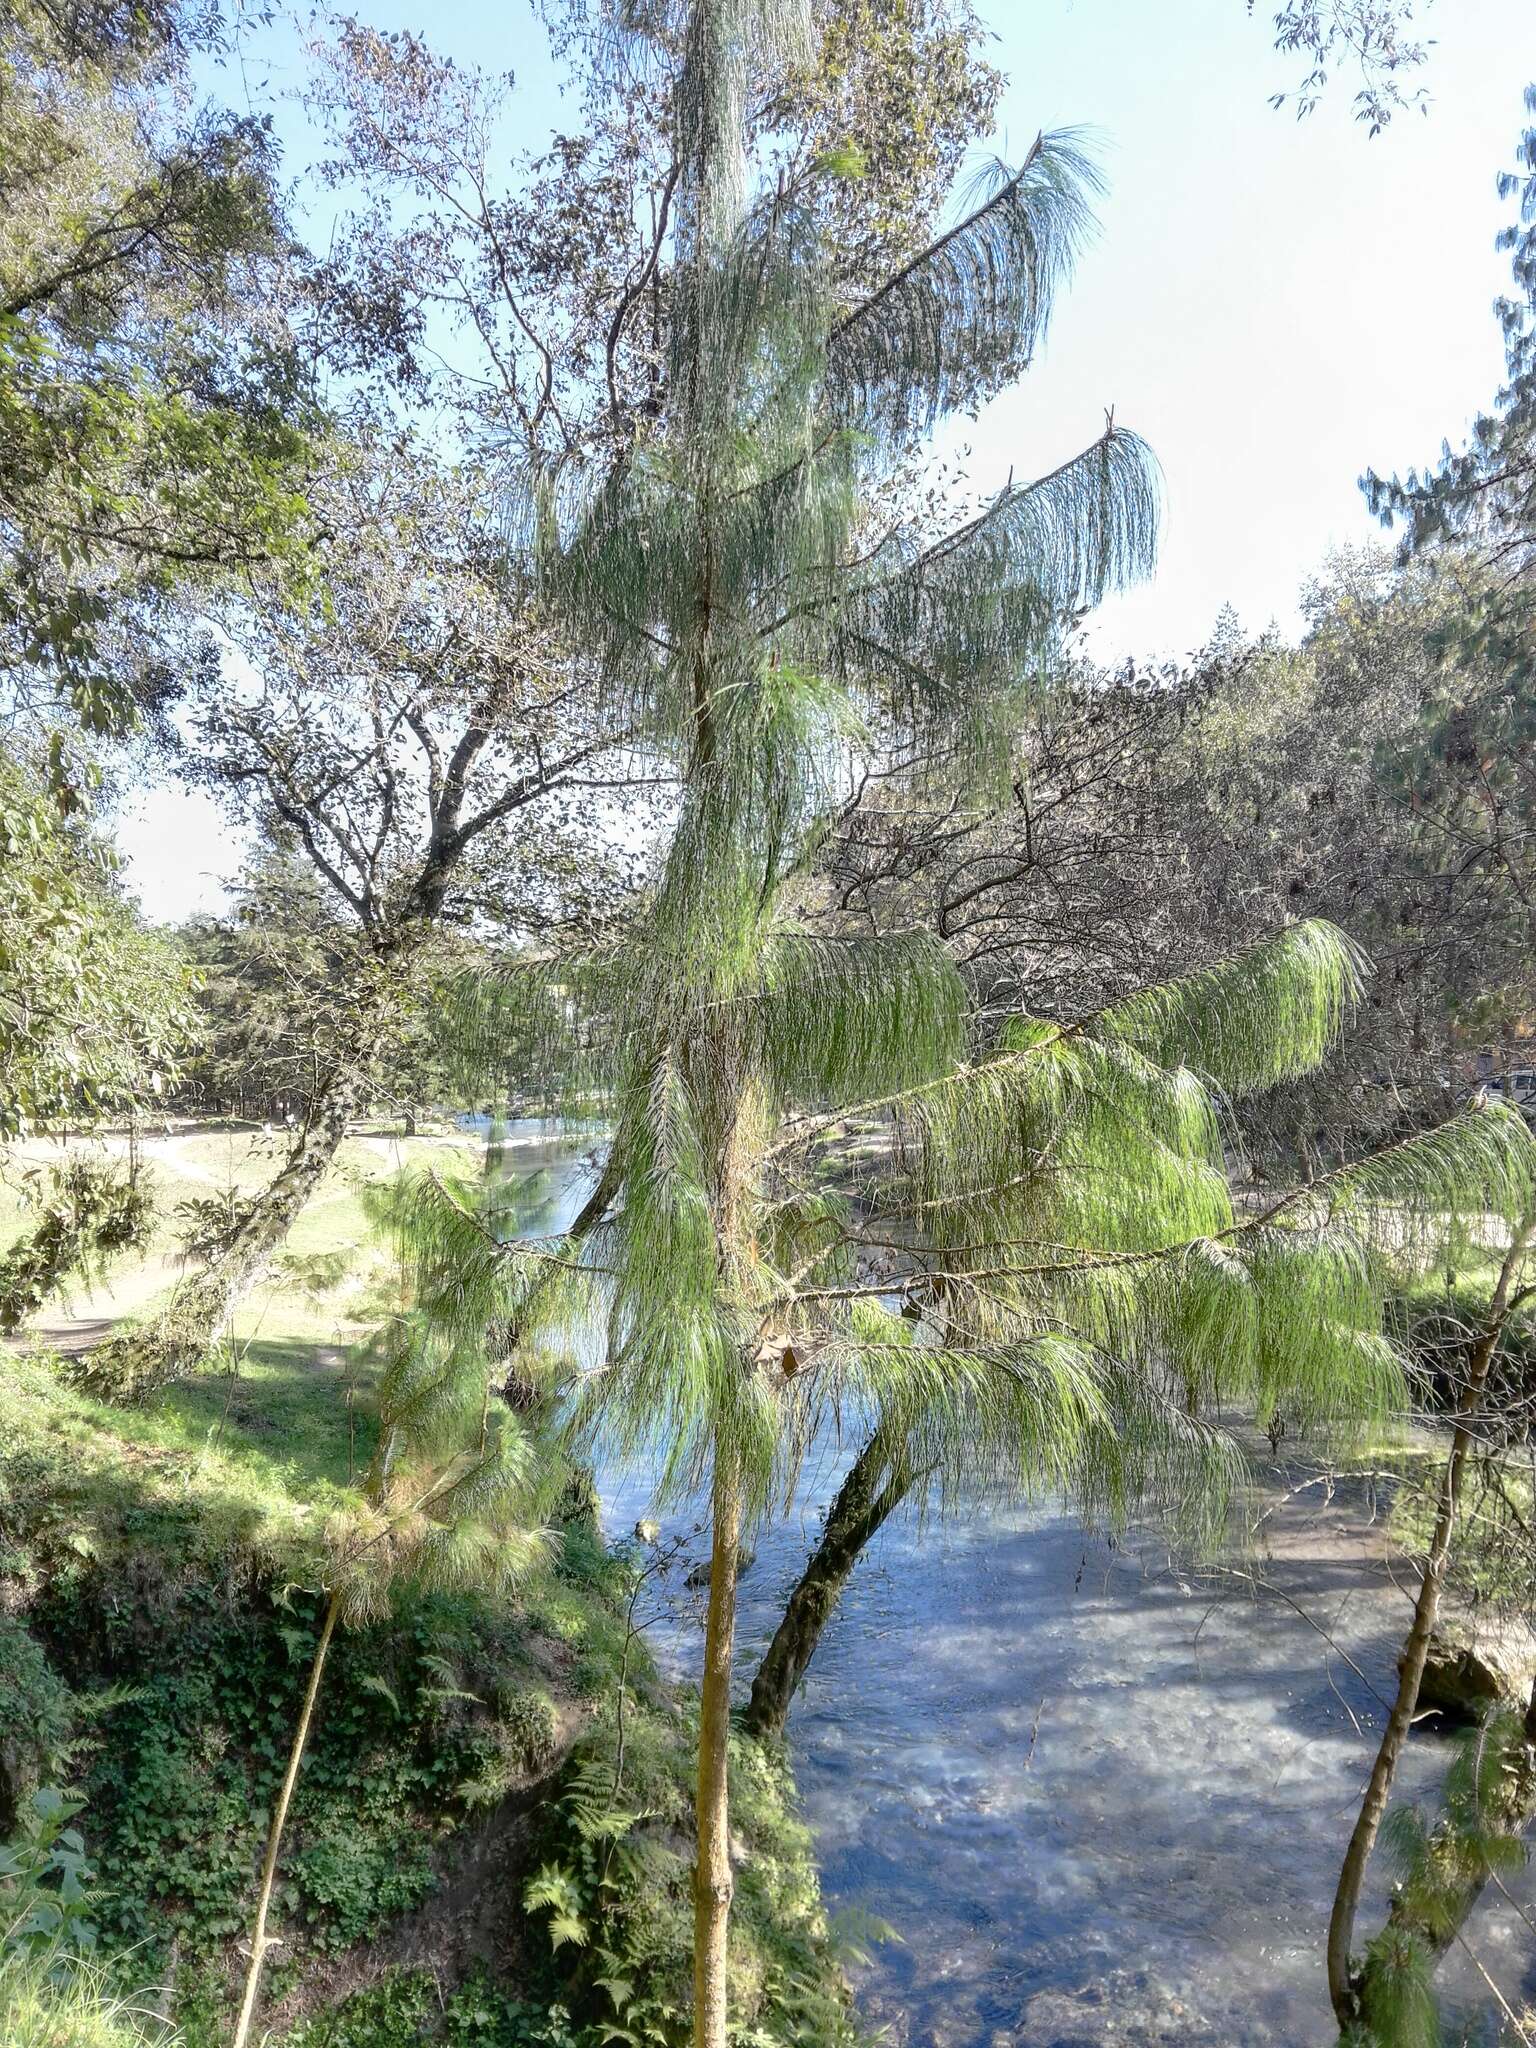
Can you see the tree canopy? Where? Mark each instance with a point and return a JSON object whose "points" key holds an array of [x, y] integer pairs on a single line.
{"points": [[94, 1009], [152, 408]]}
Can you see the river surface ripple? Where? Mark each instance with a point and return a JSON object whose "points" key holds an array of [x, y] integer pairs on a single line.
{"points": [[1098, 1797]]}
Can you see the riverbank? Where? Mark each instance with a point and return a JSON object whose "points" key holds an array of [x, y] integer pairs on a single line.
{"points": [[473, 1859], [1099, 1796], [468, 1816]]}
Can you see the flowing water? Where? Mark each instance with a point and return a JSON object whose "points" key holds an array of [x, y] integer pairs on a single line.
{"points": [[1098, 1798]]}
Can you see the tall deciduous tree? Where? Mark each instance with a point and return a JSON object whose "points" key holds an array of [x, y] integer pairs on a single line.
{"points": [[426, 742], [526, 293]]}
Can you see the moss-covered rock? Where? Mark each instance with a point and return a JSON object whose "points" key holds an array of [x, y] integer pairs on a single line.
{"points": [[1478, 1661]]}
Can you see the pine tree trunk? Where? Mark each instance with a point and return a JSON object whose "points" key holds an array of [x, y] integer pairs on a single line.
{"points": [[138, 1361], [261, 1941], [1343, 1985], [712, 1881], [859, 1511]]}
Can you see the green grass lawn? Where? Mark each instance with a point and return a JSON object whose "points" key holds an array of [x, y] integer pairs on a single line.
{"points": [[282, 1420]]}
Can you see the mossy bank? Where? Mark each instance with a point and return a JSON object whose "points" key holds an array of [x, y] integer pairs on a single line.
{"points": [[491, 1838]]}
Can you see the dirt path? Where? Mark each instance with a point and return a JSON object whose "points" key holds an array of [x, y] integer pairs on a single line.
{"points": [[168, 1151], [83, 1316]]}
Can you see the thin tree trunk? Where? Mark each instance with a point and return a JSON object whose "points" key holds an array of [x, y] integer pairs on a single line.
{"points": [[138, 1361], [1343, 1984], [1515, 1812], [712, 1881], [261, 1941], [861, 1508]]}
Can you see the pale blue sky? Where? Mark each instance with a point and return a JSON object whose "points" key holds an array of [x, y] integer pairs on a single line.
{"points": [[1275, 305]]}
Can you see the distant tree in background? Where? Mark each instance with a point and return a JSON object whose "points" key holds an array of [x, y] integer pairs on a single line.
{"points": [[282, 999], [420, 751], [1156, 823], [1482, 497], [94, 1009], [1344, 781], [1078, 883], [95, 1012]]}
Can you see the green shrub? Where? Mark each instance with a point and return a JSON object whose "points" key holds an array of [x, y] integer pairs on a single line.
{"points": [[611, 1889], [182, 1796], [404, 2010], [529, 1724], [54, 1993], [36, 1718]]}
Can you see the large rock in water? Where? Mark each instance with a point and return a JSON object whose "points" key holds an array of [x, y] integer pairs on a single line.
{"points": [[1472, 1664]]}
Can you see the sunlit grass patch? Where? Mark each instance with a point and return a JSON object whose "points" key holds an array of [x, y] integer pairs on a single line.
{"points": [[72, 2002], [80, 1479]]}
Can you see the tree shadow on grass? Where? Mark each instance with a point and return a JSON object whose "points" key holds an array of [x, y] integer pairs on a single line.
{"points": [[301, 1412]]}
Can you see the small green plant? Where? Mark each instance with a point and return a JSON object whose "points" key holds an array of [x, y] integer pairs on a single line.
{"points": [[54, 1992], [45, 1879], [76, 2005], [527, 1729], [405, 2009]]}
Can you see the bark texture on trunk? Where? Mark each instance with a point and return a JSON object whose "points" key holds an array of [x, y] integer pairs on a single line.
{"points": [[138, 1361], [1343, 1979], [862, 1506], [712, 1881]]}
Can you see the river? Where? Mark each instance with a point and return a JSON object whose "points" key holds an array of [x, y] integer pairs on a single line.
{"points": [[1098, 1797]]}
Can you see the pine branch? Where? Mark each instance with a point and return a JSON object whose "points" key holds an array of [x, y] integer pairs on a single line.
{"points": [[967, 312]]}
